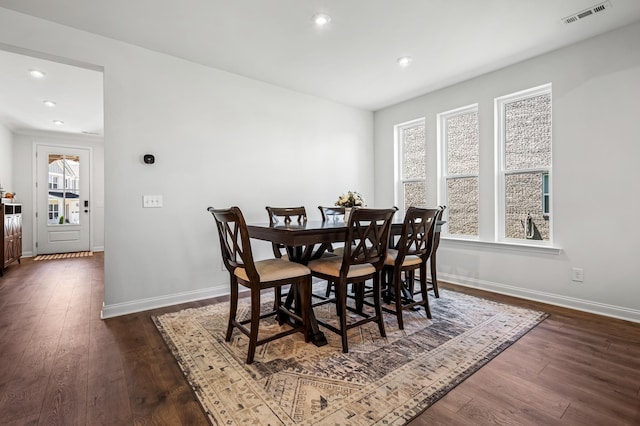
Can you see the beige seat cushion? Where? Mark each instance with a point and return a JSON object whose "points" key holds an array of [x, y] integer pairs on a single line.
{"points": [[275, 269], [338, 251], [331, 266], [392, 255]]}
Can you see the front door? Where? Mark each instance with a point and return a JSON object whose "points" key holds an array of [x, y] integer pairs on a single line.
{"points": [[62, 199]]}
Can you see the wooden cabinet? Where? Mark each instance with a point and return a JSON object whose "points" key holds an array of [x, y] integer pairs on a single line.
{"points": [[11, 249]]}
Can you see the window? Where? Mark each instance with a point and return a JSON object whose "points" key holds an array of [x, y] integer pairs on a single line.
{"points": [[545, 194], [523, 139], [411, 188], [458, 146], [53, 213], [64, 176], [53, 182]]}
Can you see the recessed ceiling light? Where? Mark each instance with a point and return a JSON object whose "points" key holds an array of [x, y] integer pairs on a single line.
{"points": [[58, 122], [49, 103], [405, 61], [36, 74], [320, 19]]}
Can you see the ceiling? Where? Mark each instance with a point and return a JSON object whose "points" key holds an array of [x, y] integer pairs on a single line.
{"points": [[353, 59], [77, 93]]}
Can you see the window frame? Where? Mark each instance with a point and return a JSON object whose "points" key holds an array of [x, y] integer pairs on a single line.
{"points": [[546, 196], [443, 176], [399, 164], [501, 172]]}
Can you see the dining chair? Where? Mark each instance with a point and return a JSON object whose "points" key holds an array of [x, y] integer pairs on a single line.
{"points": [[365, 250], [410, 254], [258, 275], [433, 283], [285, 215], [332, 213]]}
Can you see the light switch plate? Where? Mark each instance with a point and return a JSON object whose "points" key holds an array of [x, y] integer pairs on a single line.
{"points": [[151, 201]]}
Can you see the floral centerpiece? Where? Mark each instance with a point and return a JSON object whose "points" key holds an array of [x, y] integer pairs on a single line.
{"points": [[350, 199]]}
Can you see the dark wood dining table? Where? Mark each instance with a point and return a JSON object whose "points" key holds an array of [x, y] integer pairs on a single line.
{"points": [[306, 241]]}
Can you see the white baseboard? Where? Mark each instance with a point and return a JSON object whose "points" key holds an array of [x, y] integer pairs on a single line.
{"points": [[98, 248], [550, 298], [27, 254], [117, 309]]}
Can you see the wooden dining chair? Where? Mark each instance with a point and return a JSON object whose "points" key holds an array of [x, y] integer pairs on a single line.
{"points": [[410, 254], [433, 283], [285, 215], [271, 273], [332, 213], [365, 251]]}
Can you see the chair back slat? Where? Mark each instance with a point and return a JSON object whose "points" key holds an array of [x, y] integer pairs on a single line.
{"points": [[418, 232], [286, 214], [234, 241], [367, 237], [333, 213]]}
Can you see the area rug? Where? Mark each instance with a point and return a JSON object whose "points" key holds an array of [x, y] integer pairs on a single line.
{"points": [[380, 381], [63, 255]]}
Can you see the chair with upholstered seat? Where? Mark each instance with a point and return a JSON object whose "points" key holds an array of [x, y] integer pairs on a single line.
{"points": [[271, 273], [365, 251], [288, 215], [332, 213], [433, 283], [410, 254], [285, 215]]}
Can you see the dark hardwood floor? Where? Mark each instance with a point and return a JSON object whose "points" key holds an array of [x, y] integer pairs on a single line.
{"points": [[61, 364]]}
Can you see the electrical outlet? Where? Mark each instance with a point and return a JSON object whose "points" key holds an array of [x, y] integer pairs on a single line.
{"points": [[577, 274], [151, 201]]}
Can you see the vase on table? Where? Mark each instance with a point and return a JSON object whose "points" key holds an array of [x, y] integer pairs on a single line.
{"points": [[347, 213]]}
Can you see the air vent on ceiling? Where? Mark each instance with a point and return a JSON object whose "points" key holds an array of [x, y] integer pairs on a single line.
{"points": [[598, 8]]}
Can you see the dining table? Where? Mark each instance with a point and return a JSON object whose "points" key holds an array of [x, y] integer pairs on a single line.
{"points": [[308, 240]]}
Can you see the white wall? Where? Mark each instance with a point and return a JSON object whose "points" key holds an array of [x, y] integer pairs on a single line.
{"points": [[24, 173], [219, 139], [596, 102], [6, 158]]}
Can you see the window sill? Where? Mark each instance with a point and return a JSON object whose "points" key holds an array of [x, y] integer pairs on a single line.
{"points": [[502, 245]]}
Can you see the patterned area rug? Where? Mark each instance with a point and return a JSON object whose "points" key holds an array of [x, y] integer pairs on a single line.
{"points": [[380, 381], [63, 255]]}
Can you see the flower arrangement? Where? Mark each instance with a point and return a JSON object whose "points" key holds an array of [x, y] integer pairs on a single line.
{"points": [[350, 199]]}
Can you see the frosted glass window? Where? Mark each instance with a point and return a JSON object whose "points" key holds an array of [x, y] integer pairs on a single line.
{"points": [[462, 144], [459, 147], [524, 144], [411, 189], [528, 133], [462, 206], [413, 152], [414, 194]]}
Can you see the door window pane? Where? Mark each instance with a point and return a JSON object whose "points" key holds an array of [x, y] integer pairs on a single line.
{"points": [[64, 202]]}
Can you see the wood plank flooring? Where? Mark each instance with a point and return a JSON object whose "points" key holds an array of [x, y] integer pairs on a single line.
{"points": [[61, 364]]}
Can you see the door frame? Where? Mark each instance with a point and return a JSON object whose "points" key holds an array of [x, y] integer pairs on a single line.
{"points": [[35, 144]]}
